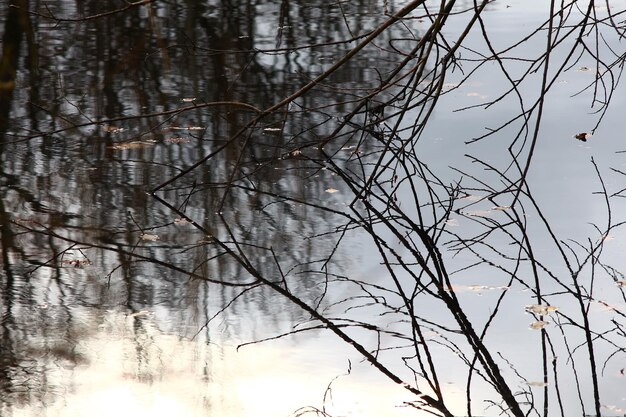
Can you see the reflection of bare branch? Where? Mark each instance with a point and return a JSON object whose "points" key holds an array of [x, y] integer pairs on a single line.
{"points": [[129, 6]]}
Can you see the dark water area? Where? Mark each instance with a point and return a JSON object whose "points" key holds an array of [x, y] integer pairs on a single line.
{"points": [[146, 192], [90, 181]]}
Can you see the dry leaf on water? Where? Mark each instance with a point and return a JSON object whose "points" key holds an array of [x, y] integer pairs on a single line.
{"points": [[185, 128], [476, 288], [537, 325], [331, 190], [177, 140], [131, 145], [478, 213], [149, 237], [539, 309], [112, 129], [582, 136], [76, 263], [452, 222]]}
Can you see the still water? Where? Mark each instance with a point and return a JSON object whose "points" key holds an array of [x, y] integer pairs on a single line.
{"points": [[87, 331]]}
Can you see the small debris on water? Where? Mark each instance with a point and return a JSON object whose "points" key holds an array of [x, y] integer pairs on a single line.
{"points": [[582, 136]]}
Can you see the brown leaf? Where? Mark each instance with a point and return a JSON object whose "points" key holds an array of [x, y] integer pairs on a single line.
{"points": [[582, 136], [131, 145], [537, 325], [539, 309], [150, 237]]}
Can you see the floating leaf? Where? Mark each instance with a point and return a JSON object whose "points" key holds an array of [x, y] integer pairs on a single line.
{"points": [[584, 69], [472, 197], [608, 237], [478, 213], [177, 139], [537, 325], [131, 145], [188, 99], [501, 208], [452, 222], [24, 221], [615, 409], [583, 136], [331, 190], [186, 128], [621, 283], [539, 309], [449, 86], [538, 384], [206, 239], [180, 220], [149, 237], [476, 288], [76, 263], [112, 129], [273, 131]]}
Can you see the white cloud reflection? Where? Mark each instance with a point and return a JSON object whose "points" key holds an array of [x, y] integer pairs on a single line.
{"points": [[130, 368]]}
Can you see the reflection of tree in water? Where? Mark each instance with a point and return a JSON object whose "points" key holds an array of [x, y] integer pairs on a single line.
{"points": [[223, 193], [81, 183]]}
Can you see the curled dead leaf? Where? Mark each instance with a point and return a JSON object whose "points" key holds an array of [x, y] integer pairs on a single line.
{"points": [[331, 190], [537, 325], [149, 237], [539, 309], [582, 136], [131, 145]]}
